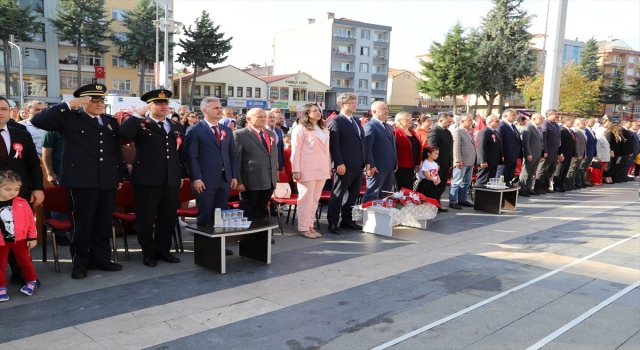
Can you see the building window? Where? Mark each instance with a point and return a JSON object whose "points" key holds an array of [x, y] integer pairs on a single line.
{"points": [[239, 90], [85, 59], [284, 93], [35, 58], [376, 85], [117, 14], [362, 100], [344, 49], [148, 84], [311, 96], [197, 90], [257, 93], [632, 59], [614, 71], [69, 80], [364, 51], [121, 84], [299, 94], [342, 83], [364, 68], [117, 61], [344, 33], [120, 36], [229, 91], [379, 37], [207, 90], [363, 84], [217, 90], [617, 59], [249, 92], [274, 93], [636, 110], [366, 34]]}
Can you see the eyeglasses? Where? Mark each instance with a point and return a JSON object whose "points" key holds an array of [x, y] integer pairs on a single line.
{"points": [[97, 100]]}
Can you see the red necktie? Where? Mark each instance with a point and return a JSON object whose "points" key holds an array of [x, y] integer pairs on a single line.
{"points": [[572, 134], [3, 148], [215, 131]]}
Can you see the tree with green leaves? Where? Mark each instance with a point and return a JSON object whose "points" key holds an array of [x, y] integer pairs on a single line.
{"points": [[504, 51], [634, 90], [588, 65], [138, 49], [23, 25], [203, 47], [82, 23], [615, 94], [452, 70]]}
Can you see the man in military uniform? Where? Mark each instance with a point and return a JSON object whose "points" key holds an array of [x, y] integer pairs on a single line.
{"points": [[90, 170], [157, 174]]}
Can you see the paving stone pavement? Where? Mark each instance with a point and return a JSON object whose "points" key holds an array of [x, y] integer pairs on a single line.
{"points": [[359, 291]]}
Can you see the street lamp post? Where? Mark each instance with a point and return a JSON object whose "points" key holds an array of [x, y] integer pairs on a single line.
{"points": [[166, 25], [20, 80]]}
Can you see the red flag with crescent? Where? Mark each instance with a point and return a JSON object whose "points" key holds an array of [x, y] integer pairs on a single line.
{"points": [[99, 71]]}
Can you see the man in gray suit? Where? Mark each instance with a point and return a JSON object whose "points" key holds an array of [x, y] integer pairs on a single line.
{"points": [[464, 157], [581, 155], [533, 145], [381, 153], [257, 164], [551, 142]]}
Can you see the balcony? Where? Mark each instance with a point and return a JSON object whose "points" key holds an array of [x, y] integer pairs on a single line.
{"points": [[613, 63], [379, 91], [380, 59], [74, 67], [346, 73], [379, 75], [343, 55], [340, 88], [379, 42], [350, 39], [149, 72]]}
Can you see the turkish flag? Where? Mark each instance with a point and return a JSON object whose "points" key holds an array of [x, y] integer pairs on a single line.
{"points": [[99, 71]]}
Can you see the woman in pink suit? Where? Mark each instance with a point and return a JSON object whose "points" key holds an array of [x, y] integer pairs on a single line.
{"points": [[311, 165]]}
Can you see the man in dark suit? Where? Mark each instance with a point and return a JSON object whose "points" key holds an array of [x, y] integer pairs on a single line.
{"points": [[575, 177], [349, 159], [590, 150], [511, 145], [257, 164], [271, 126], [547, 166], [441, 137], [212, 159], [489, 151], [627, 150], [91, 171], [157, 174], [18, 154], [533, 146], [381, 153], [568, 152]]}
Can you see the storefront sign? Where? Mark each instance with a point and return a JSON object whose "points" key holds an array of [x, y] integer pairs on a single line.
{"points": [[119, 92], [395, 109], [237, 103], [280, 104], [295, 82], [274, 92], [293, 108], [256, 104], [311, 96], [319, 97]]}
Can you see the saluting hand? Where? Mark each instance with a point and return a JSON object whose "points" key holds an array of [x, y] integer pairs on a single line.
{"points": [[143, 110], [76, 102]]}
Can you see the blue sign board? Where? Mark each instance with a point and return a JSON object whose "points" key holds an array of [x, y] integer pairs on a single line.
{"points": [[256, 104]]}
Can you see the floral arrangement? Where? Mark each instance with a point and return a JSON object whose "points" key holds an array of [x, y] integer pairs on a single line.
{"points": [[402, 198]]}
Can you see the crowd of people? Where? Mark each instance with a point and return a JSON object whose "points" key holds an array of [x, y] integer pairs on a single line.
{"points": [[91, 153]]}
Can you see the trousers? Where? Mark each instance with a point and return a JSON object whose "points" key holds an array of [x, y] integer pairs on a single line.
{"points": [[308, 196], [21, 253]]}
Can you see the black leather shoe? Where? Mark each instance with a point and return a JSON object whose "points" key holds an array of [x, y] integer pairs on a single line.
{"points": [[351, 225], [109, 267], [149, 262], [466, 204], [587, 185], [228, 252], [560, 189], [333, 228], [455, 206], [78, 273], [166, 257], [524, 194], [533, 193], [539, 192], [443, 210]]}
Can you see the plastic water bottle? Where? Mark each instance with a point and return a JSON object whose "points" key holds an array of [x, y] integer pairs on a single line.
{"points": [[217, 217]]}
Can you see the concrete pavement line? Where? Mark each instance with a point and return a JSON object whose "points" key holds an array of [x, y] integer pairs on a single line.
{"points": [[546, 340], [496, 297]]}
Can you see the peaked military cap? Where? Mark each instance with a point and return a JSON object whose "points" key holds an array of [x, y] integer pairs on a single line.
{"points": [[91, 90], [160, 95]]}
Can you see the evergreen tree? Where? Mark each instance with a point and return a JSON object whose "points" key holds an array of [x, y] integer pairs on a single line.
{"points": [[452, 71], [634, 91], [203, 47], [23, 25], [615, 94], [504, 51], [589, 60], [82, 23], [139, 47]]}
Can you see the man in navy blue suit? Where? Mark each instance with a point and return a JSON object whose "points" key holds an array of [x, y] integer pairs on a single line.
{"points": [[591, 150], [511, 145], [381, 153], [348, 155], [212, 160], [271, 125]]}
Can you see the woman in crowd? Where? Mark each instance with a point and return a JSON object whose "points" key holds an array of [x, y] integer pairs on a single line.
{"points": [[310, 164], [603, 156], [408, 150], [15, 114], [424, 125], [175, 117], [614, 137], [191, 119]]}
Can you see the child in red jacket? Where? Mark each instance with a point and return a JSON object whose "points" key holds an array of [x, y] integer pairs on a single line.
{"points": [[18, 233]]}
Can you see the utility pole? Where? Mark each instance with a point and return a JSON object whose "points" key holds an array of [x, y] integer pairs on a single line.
{"points": [[553, 64], [20, 66]]}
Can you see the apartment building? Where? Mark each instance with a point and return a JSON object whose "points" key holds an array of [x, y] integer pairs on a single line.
{"points": [[353, 56], [571, 50], [616, 54], [50, 65]]}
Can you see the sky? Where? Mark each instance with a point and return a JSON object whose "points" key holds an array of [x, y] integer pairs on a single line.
{"points": [[415, 24]]}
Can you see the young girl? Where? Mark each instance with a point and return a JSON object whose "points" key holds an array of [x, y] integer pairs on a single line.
{"points": [[428, 178], [18, 233]]}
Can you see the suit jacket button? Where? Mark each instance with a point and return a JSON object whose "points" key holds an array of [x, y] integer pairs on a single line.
{"points": [[100, 151], [167, 157], [167, 143], [62, 110], [166, 137], [82, 132], [101, 159], [127, 143], [100, 134]]}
